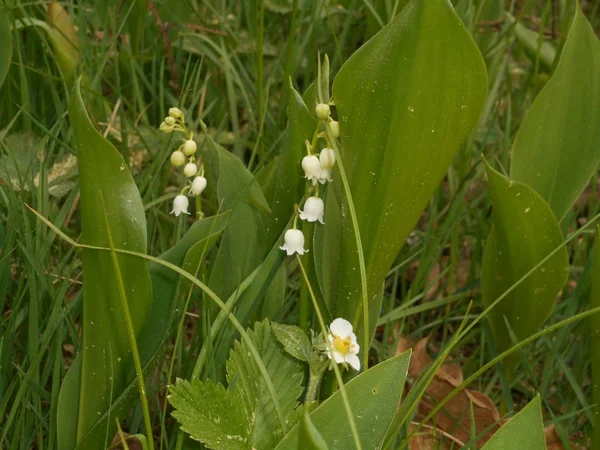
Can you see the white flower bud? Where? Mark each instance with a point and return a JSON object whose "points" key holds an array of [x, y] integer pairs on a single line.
{"points": [[175, 113], [169, 121], [313, 210], [180, 205], [166, 128], [335, 128], [293, 242], [177, 158], [327, 161], [323, 111], [312, 168], [190, 170], [198, 185], [189, 147]]}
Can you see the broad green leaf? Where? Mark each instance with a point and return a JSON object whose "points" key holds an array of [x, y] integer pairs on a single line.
{"points": [[210, 414], [524, 431], [106, 188], [308, 436], [374, 396], [6, 39], [406, 100], [294, 340], [524, 232], [286, 374], [156, 330], [556, 148], [594, 327]]}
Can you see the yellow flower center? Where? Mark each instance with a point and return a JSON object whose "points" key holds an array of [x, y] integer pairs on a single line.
{"points": [[342, 345]]}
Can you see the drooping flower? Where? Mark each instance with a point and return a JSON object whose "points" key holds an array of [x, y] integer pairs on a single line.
{"points": [[313, 210], [189, 147], [198, 185], [190, 170], [293, 242], [177, 158], [323, 111], [180, 205], [312, 168], [343, 347], [327, 161]]}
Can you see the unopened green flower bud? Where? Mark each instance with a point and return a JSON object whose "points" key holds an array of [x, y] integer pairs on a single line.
{"points": [[335, 128], [189, 147], [175, 113], [169, 121], [165, 128], [323, 111], [178, 158], [190, 170]]}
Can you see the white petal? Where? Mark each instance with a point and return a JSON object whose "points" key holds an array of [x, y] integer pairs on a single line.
{"points": [[353, 361], [330, 337], [341, 327], [337, 357]]}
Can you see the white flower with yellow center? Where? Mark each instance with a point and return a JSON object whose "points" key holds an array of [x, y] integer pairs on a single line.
{"points": [[313, 210], [343, 347], [293, 242]]}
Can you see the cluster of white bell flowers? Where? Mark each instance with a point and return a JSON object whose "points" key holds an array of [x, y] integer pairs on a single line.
{"points": [[184, 156], [317, 169]]}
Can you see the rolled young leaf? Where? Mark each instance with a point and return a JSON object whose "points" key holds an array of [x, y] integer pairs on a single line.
{"points": [[406, 101], [107, 188], [525, 232], [556, 149]]}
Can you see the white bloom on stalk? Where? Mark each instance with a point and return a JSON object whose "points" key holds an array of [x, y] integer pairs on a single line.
{"points": [[190, 170], [323, 111], [180, 205], [343, 347], [198, 185], [327, 161], [312, 168], [177, 158], [293, 242], [189, 147], [313, 210]]}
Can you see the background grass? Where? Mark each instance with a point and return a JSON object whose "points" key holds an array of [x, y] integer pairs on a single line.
{"points": [[228, 63]]}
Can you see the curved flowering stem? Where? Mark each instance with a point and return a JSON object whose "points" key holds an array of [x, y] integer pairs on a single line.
{"points": [[359, 248], [214, 297], [336, 369]]}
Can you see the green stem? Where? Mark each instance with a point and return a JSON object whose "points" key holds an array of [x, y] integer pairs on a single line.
{"points": [[314, 383]]}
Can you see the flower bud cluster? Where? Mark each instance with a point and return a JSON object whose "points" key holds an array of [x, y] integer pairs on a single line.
{"points": [[185, 156], [317, 170]]}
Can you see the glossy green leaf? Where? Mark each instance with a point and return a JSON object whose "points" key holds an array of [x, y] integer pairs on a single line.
{"points": [[524, 431], [594, 327], [374, 396], [309, 437], [202, 234], [6, 39], [524, 233], [556, 148], [406, 101], [103, 175], [211, 414]]}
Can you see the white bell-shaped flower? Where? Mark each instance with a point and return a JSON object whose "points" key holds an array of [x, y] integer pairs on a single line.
{"points": [[190, 170], [198, 185], [312, 168], [327, 161], [343, 347], [293, 242], [189, 147], [180, 205], [313, 210], [177, 158]]}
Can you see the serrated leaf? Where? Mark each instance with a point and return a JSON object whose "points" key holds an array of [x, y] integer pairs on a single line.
{"points": [[406, 100], [286, 374], [524, 232], [556, 148], [524, 431], [107, 189], [294, 340], [210, 414], [374, 396]]}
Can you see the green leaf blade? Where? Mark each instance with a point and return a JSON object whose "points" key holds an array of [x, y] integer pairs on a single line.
{"points": [[556, 148]]}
